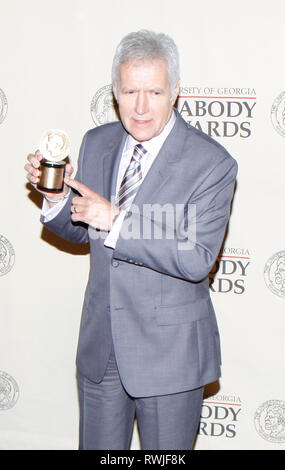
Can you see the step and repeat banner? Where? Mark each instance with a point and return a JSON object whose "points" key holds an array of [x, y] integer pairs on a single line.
{"points": [[55, 67]]}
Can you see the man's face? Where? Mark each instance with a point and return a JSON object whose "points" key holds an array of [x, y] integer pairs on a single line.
{"points": [[144, 97]]}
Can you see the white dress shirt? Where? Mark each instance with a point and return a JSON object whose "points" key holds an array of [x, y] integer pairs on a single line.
{"points": [[152, 147]]}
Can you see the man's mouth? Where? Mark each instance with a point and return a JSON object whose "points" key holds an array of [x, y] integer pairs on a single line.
{"points": [[142, 122]]}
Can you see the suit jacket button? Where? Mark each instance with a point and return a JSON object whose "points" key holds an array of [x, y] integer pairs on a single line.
{"points": [[115, 263]]}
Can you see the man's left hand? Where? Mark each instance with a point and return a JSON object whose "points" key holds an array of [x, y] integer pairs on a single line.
{"points": [[90, 207]]}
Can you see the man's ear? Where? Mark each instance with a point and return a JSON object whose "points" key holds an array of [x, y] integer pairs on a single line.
{"points": [[176, 91]]}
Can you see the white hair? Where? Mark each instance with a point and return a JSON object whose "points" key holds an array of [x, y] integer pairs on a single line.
{"points": [[146, 45]]}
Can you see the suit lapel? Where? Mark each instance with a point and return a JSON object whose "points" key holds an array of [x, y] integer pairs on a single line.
{"points": [[111, 162], [160, 172], [162, 168]]}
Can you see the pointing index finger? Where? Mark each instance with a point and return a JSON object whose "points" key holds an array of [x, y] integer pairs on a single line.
{"points": [[80, 187]]}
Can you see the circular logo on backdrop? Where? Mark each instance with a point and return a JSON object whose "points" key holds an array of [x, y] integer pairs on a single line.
{"points": [[274, 274], [7, 256], [3, 106], [269, 421], [9, 391], [278, 114], [103, 107]]}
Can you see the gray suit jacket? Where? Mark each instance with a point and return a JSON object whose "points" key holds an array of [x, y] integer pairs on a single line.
{"points": [[150, 295]]}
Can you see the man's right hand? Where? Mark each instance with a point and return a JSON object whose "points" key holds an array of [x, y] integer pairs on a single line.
{"points": [[33, 173]]}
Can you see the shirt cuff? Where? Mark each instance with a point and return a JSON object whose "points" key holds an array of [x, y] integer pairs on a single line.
{"points": [[49, 213], [113, 235]]}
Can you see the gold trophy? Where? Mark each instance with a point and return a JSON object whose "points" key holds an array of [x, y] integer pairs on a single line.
{"points": [[54, 147]]}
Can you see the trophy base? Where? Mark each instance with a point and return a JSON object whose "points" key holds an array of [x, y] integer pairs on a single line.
{"points": [[51, 176], [49, 190]]}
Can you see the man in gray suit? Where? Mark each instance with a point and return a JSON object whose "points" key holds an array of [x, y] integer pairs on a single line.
{"points": [[152, 197]]}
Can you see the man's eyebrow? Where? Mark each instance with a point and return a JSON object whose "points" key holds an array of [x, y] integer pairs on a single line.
{"points": [[158, 89]]}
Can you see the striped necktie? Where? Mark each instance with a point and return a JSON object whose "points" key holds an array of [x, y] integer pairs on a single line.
{"points": [[132, 179]]}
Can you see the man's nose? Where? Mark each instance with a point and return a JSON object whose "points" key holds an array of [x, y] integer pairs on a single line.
{"points": [[142, 103]]}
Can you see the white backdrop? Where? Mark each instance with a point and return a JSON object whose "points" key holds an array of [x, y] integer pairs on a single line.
{"points": [[55, 72]]}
